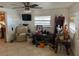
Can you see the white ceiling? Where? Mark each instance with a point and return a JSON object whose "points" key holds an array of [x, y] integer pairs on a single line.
{"points": [[44, 5]]}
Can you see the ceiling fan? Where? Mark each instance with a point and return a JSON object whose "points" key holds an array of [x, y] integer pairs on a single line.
{"points": [[28, 6]]}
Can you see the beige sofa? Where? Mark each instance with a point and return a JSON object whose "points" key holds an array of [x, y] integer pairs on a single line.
{"points": [[21, 32]]}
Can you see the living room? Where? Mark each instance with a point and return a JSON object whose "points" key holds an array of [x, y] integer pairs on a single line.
{"points": [[48, 10]]}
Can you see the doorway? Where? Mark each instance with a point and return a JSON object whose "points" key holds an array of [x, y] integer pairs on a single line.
{"points": [[2, 27]]}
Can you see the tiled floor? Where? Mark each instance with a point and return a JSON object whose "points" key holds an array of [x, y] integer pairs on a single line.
{"points": [[25, 49]]}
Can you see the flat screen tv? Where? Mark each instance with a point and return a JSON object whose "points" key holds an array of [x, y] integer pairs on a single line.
{"points": [[26, 17]]}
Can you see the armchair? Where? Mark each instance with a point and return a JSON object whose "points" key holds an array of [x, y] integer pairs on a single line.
{"points": [[21, 32]]}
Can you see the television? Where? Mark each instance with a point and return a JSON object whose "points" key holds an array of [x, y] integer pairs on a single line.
{"points": [[26, 17]]}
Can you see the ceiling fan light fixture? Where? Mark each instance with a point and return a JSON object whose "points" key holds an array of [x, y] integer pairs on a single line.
{"points": [[27, 11]]}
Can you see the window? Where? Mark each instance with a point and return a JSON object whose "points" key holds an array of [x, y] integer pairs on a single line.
{"points": [[42, 20], [72, 27]]}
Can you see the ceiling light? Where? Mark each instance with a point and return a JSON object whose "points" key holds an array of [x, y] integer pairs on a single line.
{"points": [[27, 11]]}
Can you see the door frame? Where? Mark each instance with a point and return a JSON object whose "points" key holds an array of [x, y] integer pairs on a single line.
{"points": [[5, 21]]}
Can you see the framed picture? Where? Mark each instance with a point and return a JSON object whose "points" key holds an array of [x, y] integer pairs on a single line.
{"points": [[39, 27]]}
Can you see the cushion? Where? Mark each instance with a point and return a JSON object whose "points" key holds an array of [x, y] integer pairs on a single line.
{"points": [[22, 34]]}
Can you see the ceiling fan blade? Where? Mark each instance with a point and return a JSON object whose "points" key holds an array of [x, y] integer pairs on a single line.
{"points": [[17, 7], [37, 7], [34, 5]]}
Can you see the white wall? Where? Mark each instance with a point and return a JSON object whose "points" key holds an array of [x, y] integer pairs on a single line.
{"points": [[74, 11], [47, 12], [12, 20]]}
